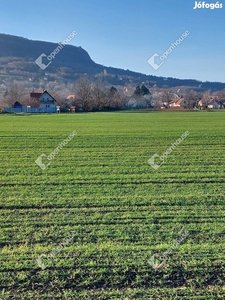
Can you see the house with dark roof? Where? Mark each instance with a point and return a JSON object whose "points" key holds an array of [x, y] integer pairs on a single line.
{"points": [[17, 104], [35, 96], [45, 99], [212, 103], [40, 103]]}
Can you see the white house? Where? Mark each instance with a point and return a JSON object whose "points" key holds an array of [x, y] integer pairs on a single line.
{"points": [[211, 104], [214, 104], [132, 103], [46, 100]]}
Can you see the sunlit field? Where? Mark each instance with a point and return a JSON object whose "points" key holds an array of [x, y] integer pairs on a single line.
{"points": [[86, 225]]}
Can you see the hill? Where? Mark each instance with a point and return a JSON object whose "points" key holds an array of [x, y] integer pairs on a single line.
{"points": [[18, 55]]}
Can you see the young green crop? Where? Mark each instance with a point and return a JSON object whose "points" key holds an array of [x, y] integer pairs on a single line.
{"points": [[101, 187]]}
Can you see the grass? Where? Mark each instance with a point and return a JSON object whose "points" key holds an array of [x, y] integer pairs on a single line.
{"points": [[120, 210]]}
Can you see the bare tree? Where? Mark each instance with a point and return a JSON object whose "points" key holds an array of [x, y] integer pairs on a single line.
{"points": [[29, 101], [166, 95], [191, 98], [2, 104], [156, 101], [116, 100], [83, 90], [147, 100], [205, 98], [219, 95], [99, 98], [14, 94]]}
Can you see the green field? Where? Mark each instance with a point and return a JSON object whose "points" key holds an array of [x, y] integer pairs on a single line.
{"points": [[109, 209]]}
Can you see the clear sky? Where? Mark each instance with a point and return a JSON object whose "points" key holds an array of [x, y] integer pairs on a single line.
{"points": [[126, 33]]}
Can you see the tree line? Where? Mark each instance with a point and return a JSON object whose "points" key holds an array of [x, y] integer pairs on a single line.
{"points": [[96, 96]]}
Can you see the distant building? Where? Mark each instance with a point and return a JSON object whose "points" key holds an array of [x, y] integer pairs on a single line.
{"points": [[45, 99], [70, 102], [212, 103], [71, 97], [178, 103], [17, 105], [132, 103], [42, 103], [202, 104], [72, 108]]}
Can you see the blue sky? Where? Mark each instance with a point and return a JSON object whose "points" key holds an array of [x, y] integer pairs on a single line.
{"points": [[125, 34]]}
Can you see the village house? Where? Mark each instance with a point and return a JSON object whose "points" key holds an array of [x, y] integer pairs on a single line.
{"points": [[17, 105], [202, 104], [40, 103], [45, 100], [70, 102], [132, 103], [212, 103], [178, 102]]}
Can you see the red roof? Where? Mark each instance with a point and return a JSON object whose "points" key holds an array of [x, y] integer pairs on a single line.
{"points": [[176, 101], [71, 97], [35, 95]]}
